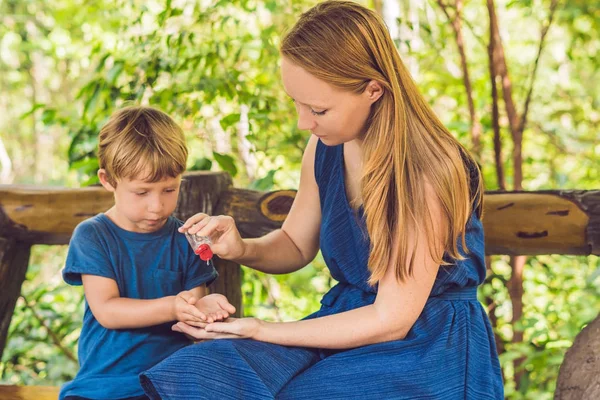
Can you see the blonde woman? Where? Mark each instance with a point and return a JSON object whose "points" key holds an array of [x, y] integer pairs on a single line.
{"points": [[393, 202]]}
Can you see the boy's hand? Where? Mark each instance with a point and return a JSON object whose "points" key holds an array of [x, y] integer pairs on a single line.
{"points": [[215, 307], [185, 310]]}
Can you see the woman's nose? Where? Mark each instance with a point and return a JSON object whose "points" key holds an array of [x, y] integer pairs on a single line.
{"points": [[306, 120]]}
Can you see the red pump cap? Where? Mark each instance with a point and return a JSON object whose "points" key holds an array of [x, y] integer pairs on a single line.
{"points": [[204, 252]]}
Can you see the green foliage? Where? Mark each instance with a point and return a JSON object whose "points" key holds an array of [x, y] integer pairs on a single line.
{"points": [[44, 330], [66, 65]]}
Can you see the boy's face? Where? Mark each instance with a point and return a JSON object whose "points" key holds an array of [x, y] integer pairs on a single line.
{"points": [[142, 206]]}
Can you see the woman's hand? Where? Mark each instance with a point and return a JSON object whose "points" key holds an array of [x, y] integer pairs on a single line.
{"points": [[226, 240], [232, 328]]}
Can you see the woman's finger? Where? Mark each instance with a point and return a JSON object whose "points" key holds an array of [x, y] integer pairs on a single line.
{"points": [[197, 227], [197, 324], [192, 331], [222, 327], [209, 227], [191, 221]]}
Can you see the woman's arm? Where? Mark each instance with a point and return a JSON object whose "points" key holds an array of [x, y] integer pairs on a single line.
{"points": [[390, 317], [282, 251]]}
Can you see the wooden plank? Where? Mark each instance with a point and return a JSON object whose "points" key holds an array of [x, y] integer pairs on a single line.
{"points": [[28, 392], [549, 222], [516, 223], [48, 215]]}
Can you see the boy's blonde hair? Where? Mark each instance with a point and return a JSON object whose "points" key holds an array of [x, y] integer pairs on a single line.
{"points": [[141, 142]]}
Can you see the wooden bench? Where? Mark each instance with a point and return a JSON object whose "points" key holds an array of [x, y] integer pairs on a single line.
{"points": [[516, 223], [28, 393]]}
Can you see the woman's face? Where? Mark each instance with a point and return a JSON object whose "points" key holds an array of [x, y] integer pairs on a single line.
{"points": [[334, 115]]}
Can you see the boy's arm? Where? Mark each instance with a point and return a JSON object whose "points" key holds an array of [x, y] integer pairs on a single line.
{"points": [[115, 312]]}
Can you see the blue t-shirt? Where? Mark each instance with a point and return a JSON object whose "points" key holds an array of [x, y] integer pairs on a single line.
{"points": [[144, 266]]}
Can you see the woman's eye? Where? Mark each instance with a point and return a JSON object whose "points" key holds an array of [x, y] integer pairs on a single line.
{"points": [[141, 193], [313, 112]]}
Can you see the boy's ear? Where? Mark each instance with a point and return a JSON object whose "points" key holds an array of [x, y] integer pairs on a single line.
{"points": [[103, 176]]}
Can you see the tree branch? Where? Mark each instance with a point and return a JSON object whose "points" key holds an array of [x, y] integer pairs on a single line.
{"points": [[543, 34], [55, 339], [456, 23], [495, 112]]}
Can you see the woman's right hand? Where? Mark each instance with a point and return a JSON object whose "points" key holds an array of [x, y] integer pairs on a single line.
{"points": [[226, 240]]}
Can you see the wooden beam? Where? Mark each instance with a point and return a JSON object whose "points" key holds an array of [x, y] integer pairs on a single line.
{"points": [[543, 222], [516, 223], [28, 393]]}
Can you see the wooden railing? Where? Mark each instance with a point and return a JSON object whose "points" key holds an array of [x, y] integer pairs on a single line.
{"points": [[516, 223]]}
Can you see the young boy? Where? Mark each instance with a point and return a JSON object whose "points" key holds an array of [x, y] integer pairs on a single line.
{"points": [[139, 274]]}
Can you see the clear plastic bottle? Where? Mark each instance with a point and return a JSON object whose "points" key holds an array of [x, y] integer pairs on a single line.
{"points": [[201, 246]]}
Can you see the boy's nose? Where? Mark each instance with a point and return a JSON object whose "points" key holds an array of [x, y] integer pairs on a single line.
{"points": [[155, 206]]}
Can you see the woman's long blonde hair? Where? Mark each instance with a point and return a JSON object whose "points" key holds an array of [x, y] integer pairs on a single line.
{"points": [[404, 143]]}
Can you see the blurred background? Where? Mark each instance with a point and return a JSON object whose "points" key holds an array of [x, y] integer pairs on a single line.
{"points": [[515, 81]]}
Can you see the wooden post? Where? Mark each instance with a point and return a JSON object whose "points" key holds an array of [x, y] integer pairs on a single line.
{"points": [[14, 258], [201, 192], [255, 214]]}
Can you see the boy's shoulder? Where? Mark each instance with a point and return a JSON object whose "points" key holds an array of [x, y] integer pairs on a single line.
{"points": [[90, 227]]}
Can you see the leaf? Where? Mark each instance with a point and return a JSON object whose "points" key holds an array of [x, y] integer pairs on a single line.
{"points": [[265, 183], [48, 116], [201, 164], [229, 120], [226, 162], [114, 72], [33, 109]]}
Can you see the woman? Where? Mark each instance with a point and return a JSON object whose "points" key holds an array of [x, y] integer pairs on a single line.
{"points": [[393, 202]]}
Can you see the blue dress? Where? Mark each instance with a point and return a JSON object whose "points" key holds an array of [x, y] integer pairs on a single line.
{"points": [[449, 353]]}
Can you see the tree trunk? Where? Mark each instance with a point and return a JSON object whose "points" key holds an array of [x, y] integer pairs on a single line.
{"points": [[579, 375]]}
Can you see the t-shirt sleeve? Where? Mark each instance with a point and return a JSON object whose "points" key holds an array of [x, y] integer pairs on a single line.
{"points": [[198, 272], [86, 255]]}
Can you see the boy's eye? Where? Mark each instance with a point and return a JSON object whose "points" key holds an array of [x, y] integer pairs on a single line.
{"points": [[141, 193], [313, 112], [169, 190]]}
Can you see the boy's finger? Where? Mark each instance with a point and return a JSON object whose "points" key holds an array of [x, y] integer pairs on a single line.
{"points": [[225, 305], [191, 310], [188, 314]]}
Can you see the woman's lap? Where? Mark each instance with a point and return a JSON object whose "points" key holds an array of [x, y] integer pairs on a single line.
{"points": [[226, 369], [446, 356]]}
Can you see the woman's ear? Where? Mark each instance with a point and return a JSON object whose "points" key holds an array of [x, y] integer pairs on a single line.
{"points": [[373, 91], [104, 180]]}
